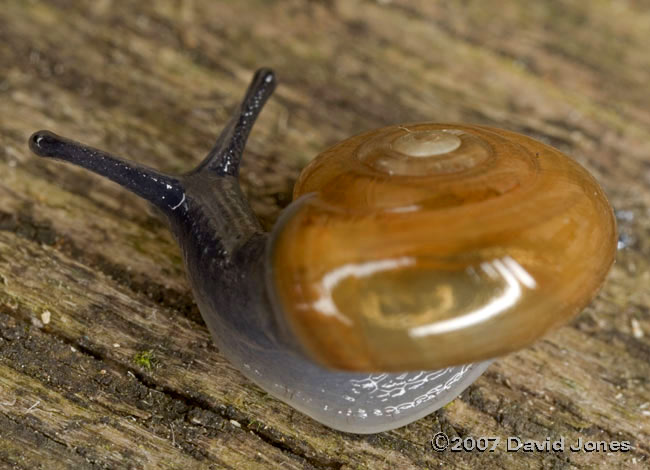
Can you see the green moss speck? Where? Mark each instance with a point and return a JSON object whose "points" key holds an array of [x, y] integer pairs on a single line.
{"points": [[145, 359]]}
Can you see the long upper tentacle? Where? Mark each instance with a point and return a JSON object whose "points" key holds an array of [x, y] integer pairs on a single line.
{"points": [[225, 156], [162, 190]]}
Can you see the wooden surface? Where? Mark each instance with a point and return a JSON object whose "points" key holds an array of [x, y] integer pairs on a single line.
{"points": [[104, 360]]}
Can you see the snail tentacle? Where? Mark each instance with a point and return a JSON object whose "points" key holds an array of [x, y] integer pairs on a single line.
{"points": [[164, 191], [225, 156]]}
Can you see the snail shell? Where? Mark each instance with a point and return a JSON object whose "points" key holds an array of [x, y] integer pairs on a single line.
{"points": [[429, 245], [410, 257]]}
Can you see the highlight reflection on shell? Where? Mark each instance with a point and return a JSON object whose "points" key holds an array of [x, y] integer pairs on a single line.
{"points": [[429, 245]]}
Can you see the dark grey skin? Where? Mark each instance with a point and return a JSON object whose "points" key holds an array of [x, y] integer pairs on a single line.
{"points": [[225, 251]]}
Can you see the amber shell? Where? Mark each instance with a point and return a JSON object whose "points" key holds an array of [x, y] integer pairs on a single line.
{"points": [[428, 245]]}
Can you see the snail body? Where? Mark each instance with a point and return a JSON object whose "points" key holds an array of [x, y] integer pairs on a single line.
{"points": [[410, 258]]}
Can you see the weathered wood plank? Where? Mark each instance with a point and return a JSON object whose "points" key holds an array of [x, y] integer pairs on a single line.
{"points": [[146, 80]]}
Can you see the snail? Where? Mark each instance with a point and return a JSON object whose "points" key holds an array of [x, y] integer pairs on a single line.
{"points": [[410, 258]]}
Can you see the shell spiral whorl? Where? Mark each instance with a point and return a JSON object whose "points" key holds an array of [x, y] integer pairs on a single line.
{"points": [[423, 150]]}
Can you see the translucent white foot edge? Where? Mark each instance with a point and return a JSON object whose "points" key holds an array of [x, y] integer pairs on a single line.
{"points": [[387, 401], [352, 402], [367, 403]]}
